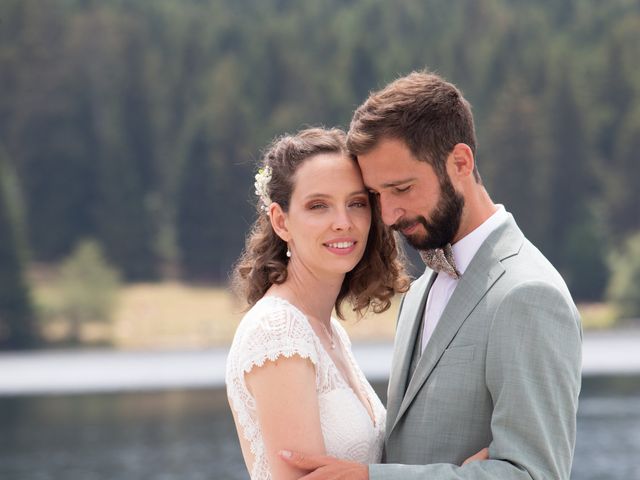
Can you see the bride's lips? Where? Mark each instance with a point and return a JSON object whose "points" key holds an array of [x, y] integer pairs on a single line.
{"points": [[341, 246]]}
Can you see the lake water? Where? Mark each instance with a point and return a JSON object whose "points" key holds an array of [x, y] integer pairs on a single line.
{"points": [[189, 435]]}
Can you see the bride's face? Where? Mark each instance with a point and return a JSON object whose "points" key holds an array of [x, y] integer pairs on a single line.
{"points": [[329, 215]]}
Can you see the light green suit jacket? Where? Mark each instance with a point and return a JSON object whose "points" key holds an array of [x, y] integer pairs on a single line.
{"points": [[502, 369]]}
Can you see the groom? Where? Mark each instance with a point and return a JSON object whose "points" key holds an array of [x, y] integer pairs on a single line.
{"points": [[488, 343]]}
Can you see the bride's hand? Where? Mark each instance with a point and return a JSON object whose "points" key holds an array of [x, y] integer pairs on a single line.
{"points": [[481, 455]]}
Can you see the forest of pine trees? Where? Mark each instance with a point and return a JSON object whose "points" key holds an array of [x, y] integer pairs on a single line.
{"points": [[138, 123]]}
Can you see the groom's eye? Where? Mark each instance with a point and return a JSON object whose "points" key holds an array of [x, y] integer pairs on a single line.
{"points": [[403, 189]]}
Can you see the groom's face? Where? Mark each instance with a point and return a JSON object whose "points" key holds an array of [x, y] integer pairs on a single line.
{"points": [[413, 199]]}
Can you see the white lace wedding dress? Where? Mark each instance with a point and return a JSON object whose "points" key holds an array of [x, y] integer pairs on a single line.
{"points": [[274, 328]]}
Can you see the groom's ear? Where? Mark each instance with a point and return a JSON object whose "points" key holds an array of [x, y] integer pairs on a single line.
{"points": [[460, 162], [279, 222]]}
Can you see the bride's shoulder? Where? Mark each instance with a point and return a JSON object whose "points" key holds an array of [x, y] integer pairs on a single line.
{"points": [[273, 327], [273, 312], [275, 317]]}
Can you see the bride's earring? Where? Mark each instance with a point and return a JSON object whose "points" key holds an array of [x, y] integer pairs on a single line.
{"points": [[288, 252]]}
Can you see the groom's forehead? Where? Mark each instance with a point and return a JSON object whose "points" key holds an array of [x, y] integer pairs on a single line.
{"points": [[387, 152], [386, 173]]}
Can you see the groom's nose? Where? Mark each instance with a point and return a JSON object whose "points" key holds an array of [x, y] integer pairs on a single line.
{"points": [[389, 210]]}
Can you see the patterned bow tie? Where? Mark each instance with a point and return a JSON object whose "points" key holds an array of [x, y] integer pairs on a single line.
{"points": [[441, 260]]}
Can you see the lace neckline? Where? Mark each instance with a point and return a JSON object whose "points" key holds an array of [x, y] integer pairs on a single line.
{"points": [[372, 416]]}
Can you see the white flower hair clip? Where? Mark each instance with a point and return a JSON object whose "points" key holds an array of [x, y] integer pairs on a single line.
{"points": [[263, 177]]}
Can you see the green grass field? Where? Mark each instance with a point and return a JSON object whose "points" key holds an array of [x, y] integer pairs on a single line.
{"points": [[179, 316]]}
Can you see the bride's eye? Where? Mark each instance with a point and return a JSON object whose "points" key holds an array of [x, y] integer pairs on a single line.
{"points": [[361, 203], [317, 206]]}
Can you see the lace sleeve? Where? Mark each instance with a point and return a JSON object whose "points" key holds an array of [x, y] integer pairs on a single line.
{"points": [[271, 329], [275, 332]]}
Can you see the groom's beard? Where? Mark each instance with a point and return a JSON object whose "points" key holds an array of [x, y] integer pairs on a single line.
{"points": [[444, 223]]}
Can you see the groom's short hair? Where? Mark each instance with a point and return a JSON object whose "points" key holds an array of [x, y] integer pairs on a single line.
{"points": [[422, 109]]}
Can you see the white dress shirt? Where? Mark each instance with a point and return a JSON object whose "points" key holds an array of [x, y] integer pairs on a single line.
{"points": [[463, 252]]}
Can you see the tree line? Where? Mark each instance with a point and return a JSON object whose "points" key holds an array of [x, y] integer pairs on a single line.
{"points": [[138, 123]]}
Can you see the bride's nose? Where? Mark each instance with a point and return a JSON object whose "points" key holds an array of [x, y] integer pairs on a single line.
{"points": [[342, 220]]}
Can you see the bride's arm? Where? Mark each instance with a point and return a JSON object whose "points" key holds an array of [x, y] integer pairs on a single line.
{"points": [[288, 412]]}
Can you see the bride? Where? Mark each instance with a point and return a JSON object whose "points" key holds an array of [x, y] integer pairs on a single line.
{"points": [[292, 381]]}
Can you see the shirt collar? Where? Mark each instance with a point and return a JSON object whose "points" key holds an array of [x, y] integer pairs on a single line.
{"points": [[466, 248]]}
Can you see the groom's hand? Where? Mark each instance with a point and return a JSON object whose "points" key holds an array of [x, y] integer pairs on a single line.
{"points": [[321, 467]]}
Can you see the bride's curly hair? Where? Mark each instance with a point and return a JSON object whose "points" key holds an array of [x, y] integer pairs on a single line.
{"points": [[373, 281]]}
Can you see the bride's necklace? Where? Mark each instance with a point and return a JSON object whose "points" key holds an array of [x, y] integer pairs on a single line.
{"points": [[327, 331], [329, 334]]}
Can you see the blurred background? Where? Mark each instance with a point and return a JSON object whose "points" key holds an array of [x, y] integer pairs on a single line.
{"points": [[129, 135]]}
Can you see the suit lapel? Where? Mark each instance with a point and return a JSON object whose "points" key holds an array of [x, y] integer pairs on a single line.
{"points": [[406, 333], [483, 271]]}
